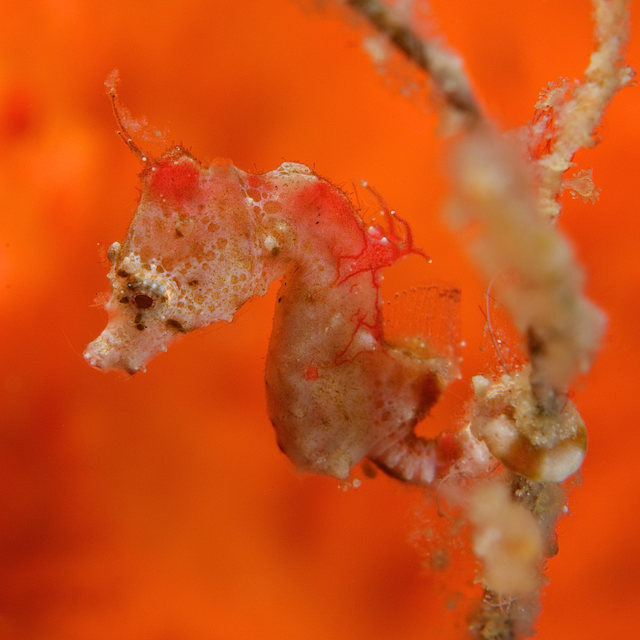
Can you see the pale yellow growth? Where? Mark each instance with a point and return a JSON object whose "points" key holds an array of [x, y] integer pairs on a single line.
{"points": [[580, 185], [544, 447], [507, 540]]}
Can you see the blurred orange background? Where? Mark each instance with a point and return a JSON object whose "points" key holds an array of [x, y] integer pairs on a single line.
{"points": [[159, 506]]}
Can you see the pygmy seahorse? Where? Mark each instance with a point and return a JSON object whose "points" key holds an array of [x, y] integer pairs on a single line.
{"points": [[205, 239]]}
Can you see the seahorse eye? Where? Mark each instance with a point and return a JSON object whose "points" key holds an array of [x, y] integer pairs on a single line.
{"points": [[143, 301]]}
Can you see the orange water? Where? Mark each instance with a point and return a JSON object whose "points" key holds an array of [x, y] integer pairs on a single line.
{"points": [[159, 507]]}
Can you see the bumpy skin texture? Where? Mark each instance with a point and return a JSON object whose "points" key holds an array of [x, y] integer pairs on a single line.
{"points": [[206, 239]]}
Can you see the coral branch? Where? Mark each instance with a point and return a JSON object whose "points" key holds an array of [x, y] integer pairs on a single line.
{"points": [[506, 192], [577, 118], [562, 329], [444, 66]]}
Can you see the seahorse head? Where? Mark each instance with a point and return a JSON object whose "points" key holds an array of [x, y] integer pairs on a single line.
{"points": [[191, 257]]}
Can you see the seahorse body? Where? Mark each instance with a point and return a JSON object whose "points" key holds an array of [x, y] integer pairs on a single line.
{"points": [[206, 239]]}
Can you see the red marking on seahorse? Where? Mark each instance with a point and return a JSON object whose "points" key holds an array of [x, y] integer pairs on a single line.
{"points": [[311, 373], [175, 179], [376, 332], [255, 181], [449, 449], [382, 248]]}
